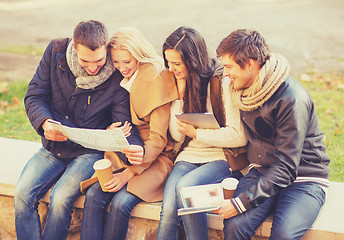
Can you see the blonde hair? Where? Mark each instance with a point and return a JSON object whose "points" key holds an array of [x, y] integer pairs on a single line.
{"points": [[129, 38]]}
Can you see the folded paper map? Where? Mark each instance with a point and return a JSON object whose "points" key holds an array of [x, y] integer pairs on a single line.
{"points": [[99, 139]]}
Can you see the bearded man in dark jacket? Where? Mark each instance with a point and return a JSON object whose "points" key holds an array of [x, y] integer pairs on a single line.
{"points": [[75, 84], [289, 169]]}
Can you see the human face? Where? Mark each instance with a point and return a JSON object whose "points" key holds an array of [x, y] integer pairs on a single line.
{"points": [[241, 78], [91, 61], [124, 62], [176, 64]]}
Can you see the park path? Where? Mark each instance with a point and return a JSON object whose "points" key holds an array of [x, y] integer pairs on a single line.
{"points": [[308, 32]]}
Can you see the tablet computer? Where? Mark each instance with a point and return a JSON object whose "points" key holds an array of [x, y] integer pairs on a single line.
{"points": [[199, 120]]}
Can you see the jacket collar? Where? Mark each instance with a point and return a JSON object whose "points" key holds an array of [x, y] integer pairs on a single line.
{"points": [[60, 46], [150, 91]]}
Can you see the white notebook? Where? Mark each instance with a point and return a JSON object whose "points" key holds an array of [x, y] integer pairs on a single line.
{"points": [[202, 198]]}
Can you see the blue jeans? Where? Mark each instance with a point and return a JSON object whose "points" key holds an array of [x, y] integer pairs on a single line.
{"points": [[41, 172], [187, 174], [295, 209], [115, 226]]}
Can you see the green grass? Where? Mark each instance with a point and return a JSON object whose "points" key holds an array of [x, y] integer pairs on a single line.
{"points": [[326, 91], [23, 49], [13, 120]]}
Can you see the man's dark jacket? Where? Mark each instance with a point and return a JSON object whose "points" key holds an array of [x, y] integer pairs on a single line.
{"points": [[52, 93], [285, 139]]}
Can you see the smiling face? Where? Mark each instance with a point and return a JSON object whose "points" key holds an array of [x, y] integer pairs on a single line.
{"points": [[124, 62], [91, 61], [241, 78], [176, 64]]}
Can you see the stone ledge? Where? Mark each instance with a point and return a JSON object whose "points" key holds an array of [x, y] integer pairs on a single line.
{"points": [[145, 216], [328, 225]]}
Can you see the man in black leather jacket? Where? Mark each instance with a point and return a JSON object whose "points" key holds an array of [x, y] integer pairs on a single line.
{"points": [[289, 169], [74, 84]]}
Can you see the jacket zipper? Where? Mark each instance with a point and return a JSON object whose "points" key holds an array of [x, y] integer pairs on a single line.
{"points": [[86, 105]]}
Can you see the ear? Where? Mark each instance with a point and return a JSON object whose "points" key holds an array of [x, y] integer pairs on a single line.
{"points": [[251, 64]]}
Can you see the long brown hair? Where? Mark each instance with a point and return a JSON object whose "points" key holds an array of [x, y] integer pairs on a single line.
{"points": [[193, 50]]}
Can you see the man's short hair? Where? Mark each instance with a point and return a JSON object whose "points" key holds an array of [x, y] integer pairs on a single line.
{"points": [[244, 44], [91, 34]]}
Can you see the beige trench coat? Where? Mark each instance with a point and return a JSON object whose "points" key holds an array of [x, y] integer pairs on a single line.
{"points": [[150, 101]]}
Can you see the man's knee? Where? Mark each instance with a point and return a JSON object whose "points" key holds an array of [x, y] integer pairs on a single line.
{"points": [[19, 201], [60, 200], [285, 232], [281, 234], [234, 228], [19, 193], [23, 198], [230, 228]]}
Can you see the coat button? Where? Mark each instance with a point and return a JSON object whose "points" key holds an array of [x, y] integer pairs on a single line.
{"points": [[259, 156], [66, 117], [59, 154]]}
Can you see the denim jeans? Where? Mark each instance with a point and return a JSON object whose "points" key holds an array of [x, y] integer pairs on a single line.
{"points": [[187, 174], [115, 224], [41, 172], [295, 209]]}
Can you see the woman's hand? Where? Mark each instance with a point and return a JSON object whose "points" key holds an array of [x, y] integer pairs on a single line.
{"points": [[134, 153], [51, 134], [119, 180], [126, 128], [186, 129], [226, 210]]}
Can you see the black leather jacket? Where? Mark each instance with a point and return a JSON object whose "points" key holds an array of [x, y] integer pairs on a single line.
{"points": [[284, 138]]}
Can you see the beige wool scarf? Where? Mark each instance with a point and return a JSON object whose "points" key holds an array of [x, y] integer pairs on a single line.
{"points": [[83, 80], [270, 77]]}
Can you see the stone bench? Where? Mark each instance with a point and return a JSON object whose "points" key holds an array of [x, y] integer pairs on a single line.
{"points": [[145, 216]]}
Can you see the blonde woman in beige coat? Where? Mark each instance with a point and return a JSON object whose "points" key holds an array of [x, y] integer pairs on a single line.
{"points": [[152, 89]]}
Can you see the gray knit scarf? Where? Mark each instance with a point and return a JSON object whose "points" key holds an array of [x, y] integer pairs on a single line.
{"points": [[270, 77], [83, 80]]}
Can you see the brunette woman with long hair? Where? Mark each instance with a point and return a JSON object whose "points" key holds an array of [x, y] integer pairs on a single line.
{"points": [[198, 153]]}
